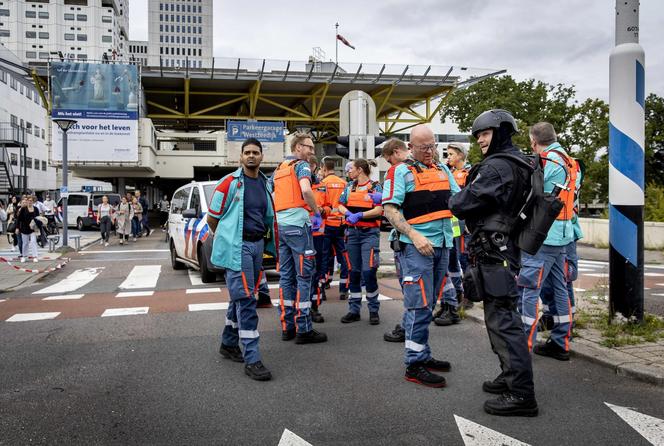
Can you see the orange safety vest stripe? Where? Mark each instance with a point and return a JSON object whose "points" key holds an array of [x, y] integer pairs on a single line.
{"points": [[430, 185], [334, 187], [287, 190], [567, 195], [360, 201]]}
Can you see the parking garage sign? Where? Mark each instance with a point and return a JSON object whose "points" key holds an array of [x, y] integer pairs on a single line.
{"points": [[264, 131]]}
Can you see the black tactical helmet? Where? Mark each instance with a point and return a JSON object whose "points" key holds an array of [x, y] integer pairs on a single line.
{"points": [[494, 119]]}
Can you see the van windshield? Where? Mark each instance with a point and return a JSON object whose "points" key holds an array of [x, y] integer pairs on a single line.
{"points": [[114, 199]]}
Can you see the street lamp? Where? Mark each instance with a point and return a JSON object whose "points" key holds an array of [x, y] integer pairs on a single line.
{"points": [[64, 124]]}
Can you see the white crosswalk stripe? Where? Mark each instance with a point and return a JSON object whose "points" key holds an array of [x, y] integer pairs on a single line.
{"points": [[125, 311], [65, 297], [195, 277], [23, 317], [290, 439], [209, 306], [474, 434], [134, 293], [650, 428], [142, 277], [72, 282]]}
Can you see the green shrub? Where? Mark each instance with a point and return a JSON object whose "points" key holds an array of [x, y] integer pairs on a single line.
{"points": [[654, 206]]}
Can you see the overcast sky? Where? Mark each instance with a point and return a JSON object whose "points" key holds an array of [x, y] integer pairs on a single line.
{"points": [[566, 41]]}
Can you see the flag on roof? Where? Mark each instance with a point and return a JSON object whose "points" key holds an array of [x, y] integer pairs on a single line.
{"points": [[344, 41]]}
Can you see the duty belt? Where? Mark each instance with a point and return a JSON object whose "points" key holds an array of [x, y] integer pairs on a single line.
{"points": [[252, 236]]}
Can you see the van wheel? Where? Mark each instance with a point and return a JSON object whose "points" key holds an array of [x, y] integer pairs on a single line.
{"points": [[207, 276], [174, 258], [79, 225]]}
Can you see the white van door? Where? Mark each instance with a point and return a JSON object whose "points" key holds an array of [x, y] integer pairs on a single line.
{"points": [[77, 206], [179, 203]]}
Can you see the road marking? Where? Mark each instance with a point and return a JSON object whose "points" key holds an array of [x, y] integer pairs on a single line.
{"points": [[653, 274], [659, 284], [380, 297], [195, 277], [600, 275], [72, 282], [123, 251], [650, 428], [125, 311], [3, 300], [23, 317], [209, 307], [579, 290], [65, 297], [141, 277], [601, 263], [583, 270], [657, 294], [474, 434], [134, 293], [290, 439], [202, 290]]}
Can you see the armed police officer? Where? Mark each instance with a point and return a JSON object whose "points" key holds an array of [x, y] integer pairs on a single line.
{"points": [[495, 191]]}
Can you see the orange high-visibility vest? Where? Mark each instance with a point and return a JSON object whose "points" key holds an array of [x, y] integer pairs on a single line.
{"points": [[334, 187], [566, 195], [428, 201], [460, 176], [360, 201], [287, 191], [319, 195]]}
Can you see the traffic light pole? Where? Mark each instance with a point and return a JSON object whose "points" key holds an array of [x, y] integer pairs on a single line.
{"points": [[626, 164]]}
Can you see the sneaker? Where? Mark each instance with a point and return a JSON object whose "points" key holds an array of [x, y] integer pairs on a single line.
{"points": [[150, 232], [374, 319], [509, 404], [232, 353], [134, 239], [22, 259], [101, 242], [350, 317], [497, 386], [257, 371], [13, 248], [396, 335], [106, 244], [121, 242], [418, 374], [35, 260], [436, 365], [264, 301], [343, 296], [310, 337], [287, 335], [317, 317], [551, 349]]}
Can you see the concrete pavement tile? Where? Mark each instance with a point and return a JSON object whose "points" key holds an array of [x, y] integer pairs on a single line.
{"points": [[649, 373]]}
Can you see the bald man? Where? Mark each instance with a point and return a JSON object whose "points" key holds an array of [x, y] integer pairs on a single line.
{"points": [[415, 202]]}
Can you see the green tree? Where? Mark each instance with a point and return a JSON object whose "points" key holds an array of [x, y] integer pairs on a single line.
{"points": [[654, 140]]}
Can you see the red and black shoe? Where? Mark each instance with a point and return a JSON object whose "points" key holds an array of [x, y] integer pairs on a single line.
{"points": [[418, 373]]}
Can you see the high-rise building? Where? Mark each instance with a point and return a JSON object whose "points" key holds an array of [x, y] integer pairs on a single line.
{"points": [[92, 30], [138, 51], [180, 33]]}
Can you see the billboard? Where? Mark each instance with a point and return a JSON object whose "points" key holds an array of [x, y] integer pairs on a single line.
{"points": [[264, 131], [103, 98]]}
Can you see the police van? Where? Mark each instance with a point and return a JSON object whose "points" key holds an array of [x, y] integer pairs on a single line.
{"points": [[189, 239]]}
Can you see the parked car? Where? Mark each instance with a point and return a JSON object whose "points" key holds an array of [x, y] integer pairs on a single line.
{"points": [[82, 208], [189, 239]]}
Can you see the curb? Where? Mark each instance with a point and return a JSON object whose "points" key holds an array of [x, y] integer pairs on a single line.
{"points": [[621, 363]]}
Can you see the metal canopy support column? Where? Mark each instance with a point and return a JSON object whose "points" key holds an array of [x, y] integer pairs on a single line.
{"points": [[253, 98], [187, 82]]}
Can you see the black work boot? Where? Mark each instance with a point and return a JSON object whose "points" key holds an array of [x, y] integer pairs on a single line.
{"points": [[374, 319], [551, 349], [497, 386], [316, 316], [264, 301], [232, 353], [446, 318], [511, 405], [418, 373], [343, 296], [310, 337], [465, 303], [437, 365], [439, 312], [287, 335], [454, 313], [257, 371], [396, 335], [350, 317]]}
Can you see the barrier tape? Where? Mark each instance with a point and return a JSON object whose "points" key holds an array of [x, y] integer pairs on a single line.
{"points": [[56, 267]]}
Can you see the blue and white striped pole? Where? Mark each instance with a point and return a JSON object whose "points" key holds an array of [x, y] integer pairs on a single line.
{"points": [[626, 164]]}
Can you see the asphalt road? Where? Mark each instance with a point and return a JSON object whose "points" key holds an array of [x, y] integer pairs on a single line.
{"points": [[157, 378]]}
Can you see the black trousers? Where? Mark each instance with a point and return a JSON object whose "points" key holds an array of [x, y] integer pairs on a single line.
{"points": [[508, 341]]}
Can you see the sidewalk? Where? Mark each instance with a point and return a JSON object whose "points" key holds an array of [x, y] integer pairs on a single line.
{"points": [[644, 362], [15, 275]]}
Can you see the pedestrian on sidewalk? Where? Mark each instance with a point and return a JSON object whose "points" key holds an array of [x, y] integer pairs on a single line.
{"points": [[164, 208], [3, 217], [145, 224], [123, 218], [105, 215], [136, 218], [12, 235], [26, 226]]}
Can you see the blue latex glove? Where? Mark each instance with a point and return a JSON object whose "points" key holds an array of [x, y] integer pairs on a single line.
{"points": [[376, 197], [354, 218], [316, 221]]}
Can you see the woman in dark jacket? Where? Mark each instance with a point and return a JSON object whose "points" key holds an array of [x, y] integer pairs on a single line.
{"points": [[26, 226]]}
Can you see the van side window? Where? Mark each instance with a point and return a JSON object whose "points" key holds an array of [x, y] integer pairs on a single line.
{"points": [[77, 200], [180, 200], [195, 200]]}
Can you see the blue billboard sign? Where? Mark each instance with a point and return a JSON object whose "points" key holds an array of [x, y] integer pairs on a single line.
{"points": [[264, 131]]}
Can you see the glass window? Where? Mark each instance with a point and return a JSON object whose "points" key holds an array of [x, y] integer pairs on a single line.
{"points": [[37, 164], [3, 76], [180, 200], [14, 120], [69, 16], [28, 162], [195, 200], [30, 14], [108, 39], [82, 17], [28, 127], [43, 35], [161, 16], [69, 36], [43, 55], [4, 12], [13, 159], [43, 14], [4, 33], [161, 6], [77, 200], [44, 165], [83, 57], [177, 8], [82, 37], [13, 83], [31, 34], [161, 28], [107, 19], [43, 134]]}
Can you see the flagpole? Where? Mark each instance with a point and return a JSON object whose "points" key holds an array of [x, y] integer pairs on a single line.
{"points": [[336, 43]]}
